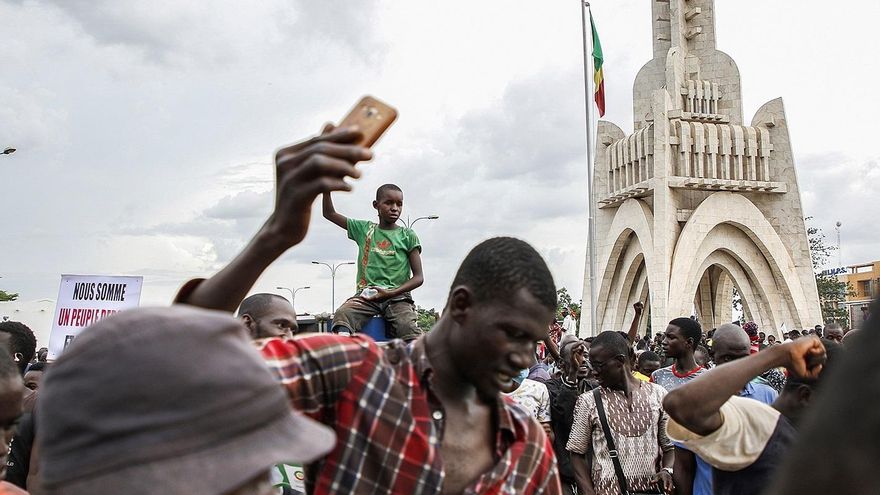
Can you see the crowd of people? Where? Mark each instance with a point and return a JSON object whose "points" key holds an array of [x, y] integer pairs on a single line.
{"points": [[190, 399]]}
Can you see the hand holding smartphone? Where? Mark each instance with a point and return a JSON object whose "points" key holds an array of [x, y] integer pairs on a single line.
{"points": [[372, 116]]}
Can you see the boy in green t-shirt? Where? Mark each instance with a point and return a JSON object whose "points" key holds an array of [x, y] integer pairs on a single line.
{"points": [[389, 267]]}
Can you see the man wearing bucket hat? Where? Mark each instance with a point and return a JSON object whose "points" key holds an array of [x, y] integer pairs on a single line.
{"points": [[215, 422]]}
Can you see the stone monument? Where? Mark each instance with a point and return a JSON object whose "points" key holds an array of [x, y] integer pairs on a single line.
{"points": [[695, 203]]}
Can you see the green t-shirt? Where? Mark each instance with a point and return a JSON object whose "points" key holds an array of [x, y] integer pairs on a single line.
{"points": [[388, 262]]}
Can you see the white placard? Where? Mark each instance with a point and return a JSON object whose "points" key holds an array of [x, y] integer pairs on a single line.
{"points": [[289, 476], [85, 299]]}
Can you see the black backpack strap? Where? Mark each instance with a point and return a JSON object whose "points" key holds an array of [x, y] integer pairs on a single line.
{"points": [[612, 448]]}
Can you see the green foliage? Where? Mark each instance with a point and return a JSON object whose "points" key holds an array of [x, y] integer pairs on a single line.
{"points": [[564, 301], [8, 296], [426, 318], [831, 290]]}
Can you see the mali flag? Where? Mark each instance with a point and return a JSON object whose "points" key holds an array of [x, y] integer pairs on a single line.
{"points": [[598, 75]]}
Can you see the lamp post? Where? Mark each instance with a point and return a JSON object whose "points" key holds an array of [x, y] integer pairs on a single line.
{"points": [[293, 294], [839, 253], [333, 269], [409, 223], [8, 151]]}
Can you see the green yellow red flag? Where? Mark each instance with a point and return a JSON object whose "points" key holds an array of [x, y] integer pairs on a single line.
{"points": [[598, 74]]}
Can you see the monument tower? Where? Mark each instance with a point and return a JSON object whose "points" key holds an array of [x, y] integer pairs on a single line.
{"points": [[695, 203]]}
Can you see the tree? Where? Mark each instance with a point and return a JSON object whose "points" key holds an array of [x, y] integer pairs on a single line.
{"points": [[8, 296], [831, 290], [426, 318], [564, 301]]}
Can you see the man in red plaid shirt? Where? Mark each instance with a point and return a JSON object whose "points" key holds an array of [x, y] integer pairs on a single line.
{"points": [[421, 418]]}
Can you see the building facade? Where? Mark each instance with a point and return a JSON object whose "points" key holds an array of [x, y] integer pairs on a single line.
{"points": [[864, 279]]}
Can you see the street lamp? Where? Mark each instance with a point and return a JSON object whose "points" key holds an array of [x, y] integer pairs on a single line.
{"points": [[9, 151], [837, 227], [409, 223], [333, 269], [293, 294]]}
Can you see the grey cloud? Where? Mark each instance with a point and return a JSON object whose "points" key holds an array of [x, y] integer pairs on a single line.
{"points": [[533, 133], [225, 33], [30, 119], [145, 131], [229, 223], [506, 167], [338, 21], [509, 168], [243, 205], [836, 187]]}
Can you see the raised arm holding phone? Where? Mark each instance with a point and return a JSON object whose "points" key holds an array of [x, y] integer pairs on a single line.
{"points": [[435, 404], [303, 171]]}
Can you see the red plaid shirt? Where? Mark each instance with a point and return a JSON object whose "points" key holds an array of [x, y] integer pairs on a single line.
{"points": [[389, 424]]}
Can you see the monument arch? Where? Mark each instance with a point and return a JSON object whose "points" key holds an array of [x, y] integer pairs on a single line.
{"points": [[694, 202]]}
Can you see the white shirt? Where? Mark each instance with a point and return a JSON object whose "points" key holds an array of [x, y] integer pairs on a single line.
{"points": [[746, 427], [534, 398], [569, 324]]}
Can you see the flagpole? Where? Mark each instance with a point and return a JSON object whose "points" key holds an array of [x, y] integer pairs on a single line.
{"points": [[591, 228]]}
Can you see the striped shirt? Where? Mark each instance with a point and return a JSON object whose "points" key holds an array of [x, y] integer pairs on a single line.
{"points": [[389, 424]]}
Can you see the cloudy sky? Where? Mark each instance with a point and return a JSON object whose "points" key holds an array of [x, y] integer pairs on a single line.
{"points": [[145, 128]]}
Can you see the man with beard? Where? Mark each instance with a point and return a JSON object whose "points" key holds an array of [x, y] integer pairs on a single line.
{"points": [[268, 315]]}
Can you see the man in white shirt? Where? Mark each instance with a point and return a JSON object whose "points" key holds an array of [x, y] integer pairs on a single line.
{"points": [[569, 323], [532, 396]]}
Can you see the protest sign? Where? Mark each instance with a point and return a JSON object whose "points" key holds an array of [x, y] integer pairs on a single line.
{"points": [[85, 299], [289, 476]]}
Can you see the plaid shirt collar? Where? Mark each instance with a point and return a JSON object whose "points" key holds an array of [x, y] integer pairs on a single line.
{"points": [[348, 383], [506, 427]]}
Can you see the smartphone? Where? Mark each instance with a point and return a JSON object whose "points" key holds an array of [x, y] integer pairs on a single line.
{"points": [[372, 116]]}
